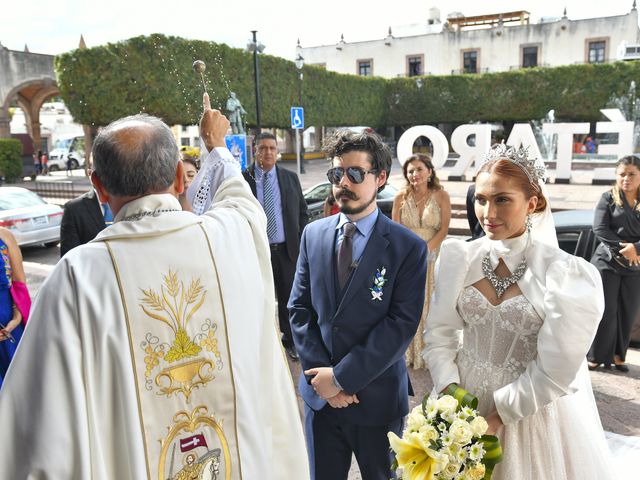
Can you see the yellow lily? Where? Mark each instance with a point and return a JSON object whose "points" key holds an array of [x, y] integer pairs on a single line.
{"points": [[417, 461]]}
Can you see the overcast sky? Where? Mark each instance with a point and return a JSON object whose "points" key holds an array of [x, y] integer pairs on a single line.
{"points": [[54, 26]]}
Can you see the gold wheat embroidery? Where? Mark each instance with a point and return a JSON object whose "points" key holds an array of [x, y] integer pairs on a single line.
{"points": [[175, 306]]}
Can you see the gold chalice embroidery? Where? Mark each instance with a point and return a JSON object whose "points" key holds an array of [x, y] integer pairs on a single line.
{"points": [[176, 306]]}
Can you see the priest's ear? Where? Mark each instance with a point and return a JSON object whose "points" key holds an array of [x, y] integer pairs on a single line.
{"points": [[103, 195], [177, 187]]}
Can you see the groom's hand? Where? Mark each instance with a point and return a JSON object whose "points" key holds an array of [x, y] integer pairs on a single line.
{"points": [[342, 400], [213, 125], [322, 382]]}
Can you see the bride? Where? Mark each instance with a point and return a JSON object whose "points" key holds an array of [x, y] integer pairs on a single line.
{"points": [[511, 321]]}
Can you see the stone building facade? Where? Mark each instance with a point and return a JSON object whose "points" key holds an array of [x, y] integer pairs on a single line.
{"points": [[487, 43]]}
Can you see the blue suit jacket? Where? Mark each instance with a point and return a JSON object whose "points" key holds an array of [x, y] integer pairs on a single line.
{"points": [[364, 339]]}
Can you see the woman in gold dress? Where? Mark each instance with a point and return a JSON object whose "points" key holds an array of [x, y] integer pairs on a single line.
{"points": [[424, 207]]}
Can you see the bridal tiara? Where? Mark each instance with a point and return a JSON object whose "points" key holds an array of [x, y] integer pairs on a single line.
{"points": [[535, 172]]}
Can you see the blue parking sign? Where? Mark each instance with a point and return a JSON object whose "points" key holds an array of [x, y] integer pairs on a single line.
{"points": [[297, 118]]}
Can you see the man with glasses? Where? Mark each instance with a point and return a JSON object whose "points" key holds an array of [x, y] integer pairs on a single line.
{"points": [[279, 192], [354, 308]]}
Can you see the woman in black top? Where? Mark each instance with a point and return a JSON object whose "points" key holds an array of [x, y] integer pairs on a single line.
{"points": [[617, 226]]}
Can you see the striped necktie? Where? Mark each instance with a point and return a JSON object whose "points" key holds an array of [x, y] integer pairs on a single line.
{"points": [[269, 205]]}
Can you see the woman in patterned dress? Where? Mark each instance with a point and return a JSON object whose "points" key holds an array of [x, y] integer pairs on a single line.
{"points": [[11, 319]]}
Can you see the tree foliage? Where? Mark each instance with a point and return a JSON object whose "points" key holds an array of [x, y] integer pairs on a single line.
{"points": [[10, 159], [154, 74]]}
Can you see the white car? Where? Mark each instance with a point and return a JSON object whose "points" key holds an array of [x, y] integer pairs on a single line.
{"points": [[30, 219], [58, 159], [72, 147]]}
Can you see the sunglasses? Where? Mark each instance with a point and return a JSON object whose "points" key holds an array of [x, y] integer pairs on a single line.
{"points": [[354, 174]]}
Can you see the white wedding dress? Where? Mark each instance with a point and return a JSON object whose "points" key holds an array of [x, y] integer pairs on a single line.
{"points": [[498, 344], [525, 357]]}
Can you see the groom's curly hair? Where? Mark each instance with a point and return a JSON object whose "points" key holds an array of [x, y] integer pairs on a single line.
{"points": [[345, 141]]}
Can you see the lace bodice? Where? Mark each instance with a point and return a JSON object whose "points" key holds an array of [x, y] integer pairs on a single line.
{"points": [[426, 225], [498, 342]]}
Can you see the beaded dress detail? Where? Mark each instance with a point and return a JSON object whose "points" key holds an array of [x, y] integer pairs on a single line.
{"points": [[499, 342], [425, 226]]}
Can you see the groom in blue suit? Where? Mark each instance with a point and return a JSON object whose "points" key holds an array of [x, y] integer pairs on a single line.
{"points": [[354, 308]]}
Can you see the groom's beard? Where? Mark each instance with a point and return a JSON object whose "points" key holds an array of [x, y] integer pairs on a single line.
{"points": [[355, 209]]}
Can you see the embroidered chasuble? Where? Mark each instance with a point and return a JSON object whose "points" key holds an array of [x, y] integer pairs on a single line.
{"points": [[180, 350]]}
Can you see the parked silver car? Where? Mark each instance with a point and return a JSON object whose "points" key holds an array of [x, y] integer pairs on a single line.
{"points": [[29, 218]]}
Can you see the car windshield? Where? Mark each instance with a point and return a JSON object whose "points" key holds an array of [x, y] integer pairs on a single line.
{"points": [[318, 194], [19, 199], [388, 192], [63, 144]]}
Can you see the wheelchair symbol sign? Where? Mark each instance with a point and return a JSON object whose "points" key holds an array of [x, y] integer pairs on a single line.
{"points": [[297, 117]]}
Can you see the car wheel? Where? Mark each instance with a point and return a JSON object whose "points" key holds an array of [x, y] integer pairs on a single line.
{"points": [[74, 164], [51, 244], [53, 168]]}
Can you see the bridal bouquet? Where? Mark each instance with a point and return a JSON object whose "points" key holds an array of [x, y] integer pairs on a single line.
{"points": [[445, 439]]}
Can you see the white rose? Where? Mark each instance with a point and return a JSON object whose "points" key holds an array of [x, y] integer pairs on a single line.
{"points": [[479, 426], [447, 404], [451, 470], [449, 417], [461, 432], [476, 472], [415, 420], [427, 434]]}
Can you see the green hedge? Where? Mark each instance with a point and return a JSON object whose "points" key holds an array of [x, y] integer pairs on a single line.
{"points": [[153, 74], [10, 159], [575, 92]]}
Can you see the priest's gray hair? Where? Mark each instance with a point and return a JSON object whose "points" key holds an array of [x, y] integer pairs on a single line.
{"points": [[135, 155]]}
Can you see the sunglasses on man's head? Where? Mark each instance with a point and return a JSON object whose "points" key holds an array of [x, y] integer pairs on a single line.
{"points": [[354, 174]]}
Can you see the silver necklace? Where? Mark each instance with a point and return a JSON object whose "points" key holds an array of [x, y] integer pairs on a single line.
{"points": [[500, 284]]}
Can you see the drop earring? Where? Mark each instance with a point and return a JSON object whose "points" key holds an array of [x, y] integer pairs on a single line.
{"points": [[528, 224]]}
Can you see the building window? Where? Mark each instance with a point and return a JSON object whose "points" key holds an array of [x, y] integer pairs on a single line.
{"points": [[529, 57], [597, 51], [414, 65], [470, 61], [184, 141], [365, 67]]}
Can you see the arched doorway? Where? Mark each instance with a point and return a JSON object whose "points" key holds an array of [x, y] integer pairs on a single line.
{"points": [[30, 96]]}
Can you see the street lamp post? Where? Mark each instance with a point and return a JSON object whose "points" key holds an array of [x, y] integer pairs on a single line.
{"points": [[256, 47], [299, 64]]}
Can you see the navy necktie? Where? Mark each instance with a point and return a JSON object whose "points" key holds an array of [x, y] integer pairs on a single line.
{"points": [[345, 254]]}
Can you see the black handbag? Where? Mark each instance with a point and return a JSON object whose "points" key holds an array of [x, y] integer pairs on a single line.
{"points": [[622, 261]]}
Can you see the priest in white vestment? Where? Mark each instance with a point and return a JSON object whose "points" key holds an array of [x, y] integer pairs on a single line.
{"points": [[152, 352]]}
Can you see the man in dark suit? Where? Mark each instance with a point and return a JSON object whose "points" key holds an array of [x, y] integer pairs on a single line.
{"points": [[355, 306], [474, 225], [82, 220], [280, 194]]}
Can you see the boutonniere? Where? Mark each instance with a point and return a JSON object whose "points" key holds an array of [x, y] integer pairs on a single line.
{"points": [[378, 282]]}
